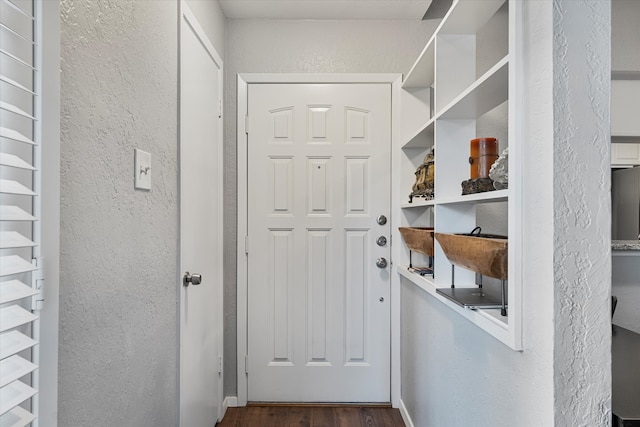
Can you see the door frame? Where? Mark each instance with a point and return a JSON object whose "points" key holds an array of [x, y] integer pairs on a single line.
{"points": [[185, 14], [243, 81]]}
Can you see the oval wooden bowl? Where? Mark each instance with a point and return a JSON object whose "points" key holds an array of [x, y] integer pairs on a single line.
{"points": [[418, 239], [484, 255]]}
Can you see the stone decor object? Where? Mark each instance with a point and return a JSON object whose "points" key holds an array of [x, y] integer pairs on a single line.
{"points": [[499, 171], [477, 185], [484, 255]]}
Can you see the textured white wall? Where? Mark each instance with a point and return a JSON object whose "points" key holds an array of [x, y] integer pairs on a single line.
{"points": [[282, 46], [118, 340], [582, 211]]}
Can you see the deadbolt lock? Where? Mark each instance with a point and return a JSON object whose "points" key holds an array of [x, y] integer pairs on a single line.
{"points": [[194, 279]]}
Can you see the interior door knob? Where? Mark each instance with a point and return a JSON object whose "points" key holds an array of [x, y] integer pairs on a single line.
{"points": [[381, 262], [194, 279], [381, 220]]}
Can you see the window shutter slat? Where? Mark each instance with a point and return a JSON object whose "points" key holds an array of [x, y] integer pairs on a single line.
{"points": [[14, 342], [8, 186], [14, 162], [15, 316], [14, 213], [15, 135], [14, 290], [18, 60], [10, 107], [15, 84], [16, 33], [19, 9], [13, 239], [17, 417], [14, 264], [14, 368], [14, 394]]}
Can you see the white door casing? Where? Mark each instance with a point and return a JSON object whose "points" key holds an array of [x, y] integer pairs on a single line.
{"points": [[319, 307], [201, 309]]}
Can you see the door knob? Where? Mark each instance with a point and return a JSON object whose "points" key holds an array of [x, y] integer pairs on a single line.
{"points": [[381, 220], [381, 241], [381, 262], [194, 279]]}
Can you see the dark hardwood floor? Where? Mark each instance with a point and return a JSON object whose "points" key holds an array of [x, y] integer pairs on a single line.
{"points": [[311, 416]]}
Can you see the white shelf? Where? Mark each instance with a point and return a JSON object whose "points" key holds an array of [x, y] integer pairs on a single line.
{"points": [[489, 320], [418, 202], [417, 139], [467, 17], [486, 93], [421, 74], [486, 197]]}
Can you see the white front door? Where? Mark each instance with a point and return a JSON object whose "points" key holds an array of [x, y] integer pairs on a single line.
{"points": [[318, 178], [200, 227]]}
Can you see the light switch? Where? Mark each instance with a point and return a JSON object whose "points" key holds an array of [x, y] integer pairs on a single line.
{"points": [[142, 169]]}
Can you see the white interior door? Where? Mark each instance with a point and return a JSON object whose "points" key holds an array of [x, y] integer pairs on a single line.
{"points": [[200, 226], [318, 177]]}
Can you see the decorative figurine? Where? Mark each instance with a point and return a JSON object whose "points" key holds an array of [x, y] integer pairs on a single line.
{"points": [[424, 185]]}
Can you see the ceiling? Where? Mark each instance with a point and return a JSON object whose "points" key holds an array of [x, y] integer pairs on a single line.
{"points": [[325, 9]]}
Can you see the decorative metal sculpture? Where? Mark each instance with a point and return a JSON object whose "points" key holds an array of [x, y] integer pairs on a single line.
{"points": [[424, 184]]}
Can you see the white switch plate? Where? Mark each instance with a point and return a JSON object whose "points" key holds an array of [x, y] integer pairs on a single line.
{"points": [[142, 169]]}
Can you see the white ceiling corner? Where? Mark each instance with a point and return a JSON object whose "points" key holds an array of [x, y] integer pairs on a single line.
{"points": [[326, 9]]}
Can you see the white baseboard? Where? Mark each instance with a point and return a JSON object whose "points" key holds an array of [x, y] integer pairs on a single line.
{"points": [[405, 415], [228, 402]]}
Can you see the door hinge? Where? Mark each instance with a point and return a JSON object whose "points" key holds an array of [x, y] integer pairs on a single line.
{"points": [[220, 364], [246, 124], [246, 245], [219, 108], [37, 283], [246, 364]]}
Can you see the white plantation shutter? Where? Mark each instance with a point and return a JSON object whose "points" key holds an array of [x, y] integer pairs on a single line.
{"points": [[20, 267]]}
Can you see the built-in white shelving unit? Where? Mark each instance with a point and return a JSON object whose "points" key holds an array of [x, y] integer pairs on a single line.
{"points": [[464, 82]]}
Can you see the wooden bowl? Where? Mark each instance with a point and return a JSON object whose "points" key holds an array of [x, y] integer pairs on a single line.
{"points": [[484, 255], [418, 239]]}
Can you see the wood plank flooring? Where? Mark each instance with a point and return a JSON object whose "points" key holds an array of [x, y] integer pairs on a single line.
{"points": [[311, 416]]}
